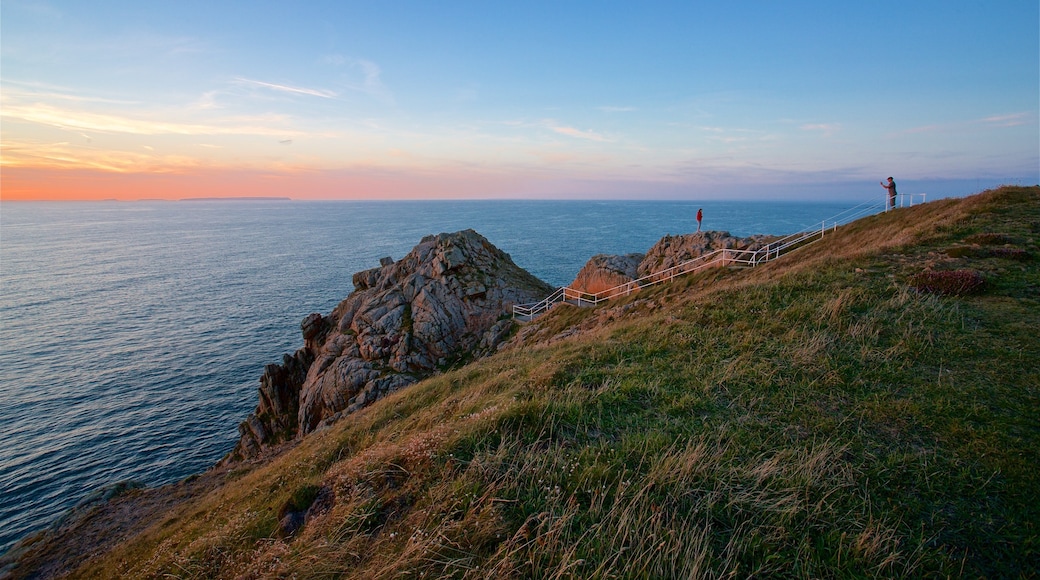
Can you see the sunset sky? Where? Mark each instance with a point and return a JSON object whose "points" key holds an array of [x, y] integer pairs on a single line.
{"points": [[411, 100]]}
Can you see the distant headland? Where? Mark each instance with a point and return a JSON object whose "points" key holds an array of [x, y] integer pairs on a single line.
{"points": [[235, 199]]}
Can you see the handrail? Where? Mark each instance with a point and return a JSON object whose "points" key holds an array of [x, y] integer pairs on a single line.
{"points": [[721, 257], [907, 199]]}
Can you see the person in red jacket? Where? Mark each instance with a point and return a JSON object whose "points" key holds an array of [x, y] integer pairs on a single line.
{"points": [[700, 216]]}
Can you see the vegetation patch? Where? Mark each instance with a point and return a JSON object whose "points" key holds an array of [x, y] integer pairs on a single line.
{"points": [[1010, 254], [949, 282], [970, 252], [989, 239]]}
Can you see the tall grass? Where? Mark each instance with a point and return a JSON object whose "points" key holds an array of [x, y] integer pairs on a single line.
{"points": [[815, 417]]}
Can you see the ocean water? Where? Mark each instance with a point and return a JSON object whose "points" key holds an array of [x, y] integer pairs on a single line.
{"points": [[133, 335]]}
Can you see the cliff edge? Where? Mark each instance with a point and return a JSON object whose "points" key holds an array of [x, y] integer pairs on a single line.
{"points": [[448, 299]]}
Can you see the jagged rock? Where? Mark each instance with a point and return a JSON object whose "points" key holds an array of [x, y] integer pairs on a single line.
{"points": [[605, 272], [449, 299], [290, 524], [314, 328], [671, 251], [274, 419]]}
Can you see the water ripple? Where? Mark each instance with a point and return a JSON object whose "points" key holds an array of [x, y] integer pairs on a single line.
{"points": [[132, 335]]}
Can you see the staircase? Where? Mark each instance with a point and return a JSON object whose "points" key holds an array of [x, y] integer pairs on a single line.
{"points": [[724, 257]]}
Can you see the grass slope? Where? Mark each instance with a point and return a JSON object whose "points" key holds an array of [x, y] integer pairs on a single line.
{"points": [[813, 417]]}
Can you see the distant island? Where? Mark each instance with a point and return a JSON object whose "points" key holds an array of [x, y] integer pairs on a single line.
{"points": [[236, 199]]}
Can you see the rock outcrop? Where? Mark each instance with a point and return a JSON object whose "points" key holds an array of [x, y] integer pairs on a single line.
{"points": [[605, 272], [671, 251], [449, 299]]}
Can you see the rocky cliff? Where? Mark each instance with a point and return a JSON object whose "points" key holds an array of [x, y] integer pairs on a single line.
{"points": [[603, 272], [674, 250], [447, 300]]}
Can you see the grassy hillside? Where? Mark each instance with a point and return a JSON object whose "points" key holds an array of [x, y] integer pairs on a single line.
{"points": [[815, 416]]}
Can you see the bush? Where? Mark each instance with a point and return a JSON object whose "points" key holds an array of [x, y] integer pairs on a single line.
{"points": [[949, 282], [962, 252], [1010, 253], [989, 239], [976, 252]]}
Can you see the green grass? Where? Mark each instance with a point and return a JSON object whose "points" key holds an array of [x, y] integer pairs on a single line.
{"points": [[815, 417]]}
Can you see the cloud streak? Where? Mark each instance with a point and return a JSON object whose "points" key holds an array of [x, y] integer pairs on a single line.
{"points": [[578, 133], [1012, 120], [42, 114], [324, 94], [824, 127]]}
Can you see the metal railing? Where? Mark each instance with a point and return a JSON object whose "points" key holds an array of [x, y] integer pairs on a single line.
{"points": [[716, 258], [907, 200]]}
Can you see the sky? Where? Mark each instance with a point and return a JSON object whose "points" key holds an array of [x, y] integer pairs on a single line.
{"points": [[519, 100]]}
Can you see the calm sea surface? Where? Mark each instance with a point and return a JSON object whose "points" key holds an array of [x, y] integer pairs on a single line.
{"points": [[133, 335]]}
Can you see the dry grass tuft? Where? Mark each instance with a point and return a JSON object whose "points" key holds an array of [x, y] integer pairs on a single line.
{"points": [[949, 282]]}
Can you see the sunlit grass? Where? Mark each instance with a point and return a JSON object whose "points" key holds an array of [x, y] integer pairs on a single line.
{"points": [[815, 417]]}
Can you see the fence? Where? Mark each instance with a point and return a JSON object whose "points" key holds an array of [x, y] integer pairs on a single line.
{"points": [[723, 257], [908, 199]]}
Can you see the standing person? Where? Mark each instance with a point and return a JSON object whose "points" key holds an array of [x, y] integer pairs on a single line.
{"points": [[700, 216], [891, 187]]}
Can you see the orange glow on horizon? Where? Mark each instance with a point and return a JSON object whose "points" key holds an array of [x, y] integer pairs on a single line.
{"points": [[35, 184]]}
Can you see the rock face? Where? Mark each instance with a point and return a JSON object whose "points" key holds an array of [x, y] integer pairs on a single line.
{"points": [[604, 272], [674, 250], [447, 300]]}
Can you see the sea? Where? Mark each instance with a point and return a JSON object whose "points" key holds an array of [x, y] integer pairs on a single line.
{"points": [[133, 334]]}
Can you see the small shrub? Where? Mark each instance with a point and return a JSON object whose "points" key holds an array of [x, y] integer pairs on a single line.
{"points": [[976, 252], [300, 501], [292, 515], [949, 282], [1010, 254], [962, 252], [989, 239]]}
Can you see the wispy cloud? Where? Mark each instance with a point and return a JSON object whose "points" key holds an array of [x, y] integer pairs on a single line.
{"points": [[580, 134], [585, 134], [63, 155], [1012, 120], [16, 90], [325, 94], [729, 135], [79, 121], [827, 129], [1009, 120], [610, 109], [371, 81], [924, 129], [373, 76], [208, 100]]}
